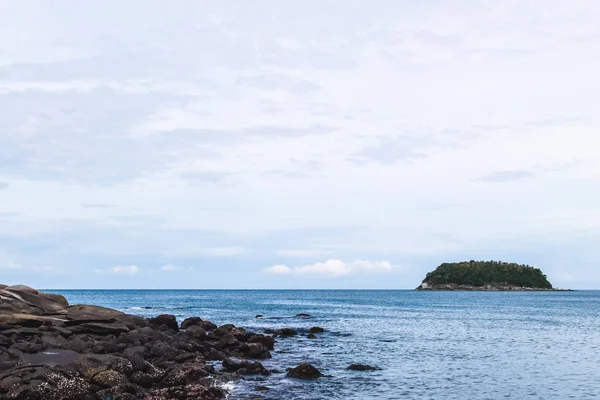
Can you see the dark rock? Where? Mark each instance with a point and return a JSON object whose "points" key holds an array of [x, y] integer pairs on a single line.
{"points": [[286, 332], [254, 351], [227, 341], [165, 319], [304, 371], [316, 329], [361, 367], [196, 332], [214, 355], [183, 374], [208, 326], [245, 367], [98, 328], [192, 321], [268, 341], [261, 388], [259, 316], [269, 331], [311, 336], [303, 315]]}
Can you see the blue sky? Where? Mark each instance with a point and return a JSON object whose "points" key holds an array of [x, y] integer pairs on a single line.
{"points": [[268, 144]]}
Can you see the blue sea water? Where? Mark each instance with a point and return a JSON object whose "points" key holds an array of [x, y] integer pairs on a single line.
{"points": [[429, 345]]}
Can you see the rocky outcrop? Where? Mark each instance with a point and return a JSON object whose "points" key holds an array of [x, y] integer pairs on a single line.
{"points": [[51, 350], [487, 287]]}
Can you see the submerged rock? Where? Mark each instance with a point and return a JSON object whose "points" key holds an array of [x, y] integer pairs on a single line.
{"points": [[361, 367], [316, 329]]}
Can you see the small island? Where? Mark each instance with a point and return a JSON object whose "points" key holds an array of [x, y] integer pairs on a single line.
{"points": [[485, 275]]}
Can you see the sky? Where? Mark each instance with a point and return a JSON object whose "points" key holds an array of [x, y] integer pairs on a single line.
{"points": [[313, 144]]}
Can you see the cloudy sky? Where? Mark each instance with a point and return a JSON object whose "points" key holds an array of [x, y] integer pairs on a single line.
{"points": [[270, 144]]}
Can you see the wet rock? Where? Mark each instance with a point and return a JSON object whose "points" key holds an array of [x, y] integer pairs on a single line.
{"points": [[304, 371], [316, 329], [303, 315], [255, 351], [262, 388], [259, 316], [361, 367], [245, 367], [286, 332], [268, 341]]}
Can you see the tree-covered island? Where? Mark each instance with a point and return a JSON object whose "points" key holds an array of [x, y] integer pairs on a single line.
{"points": [[485, 275]]}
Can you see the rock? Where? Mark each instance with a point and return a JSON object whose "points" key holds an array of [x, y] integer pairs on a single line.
{"points": [[165, 319], [316, 329], [22, 288], [255, 351], [259, 316], [192, 321], [268, 341], [52, 351], [196, 332], [361, 367], [208, 326], [311, 336], [261, 388], [245, 367], [304, 371], [97, 328], [303, 315], [108, 378], [57, 298], [286, 332]]}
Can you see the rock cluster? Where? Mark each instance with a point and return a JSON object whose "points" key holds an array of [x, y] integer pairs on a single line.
{"points": [[50, 350]]}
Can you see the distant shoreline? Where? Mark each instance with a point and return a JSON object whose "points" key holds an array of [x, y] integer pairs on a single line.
{"points": [[451, 287]]}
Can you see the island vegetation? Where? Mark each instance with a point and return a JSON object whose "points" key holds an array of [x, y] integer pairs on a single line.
{"points": [[485, 275]]}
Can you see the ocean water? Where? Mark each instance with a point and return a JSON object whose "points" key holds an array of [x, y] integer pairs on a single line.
{"points": [[429, 345]]}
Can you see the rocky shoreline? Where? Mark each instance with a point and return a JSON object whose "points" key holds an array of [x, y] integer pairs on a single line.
{"points": [[498, 287], [50, 350]]}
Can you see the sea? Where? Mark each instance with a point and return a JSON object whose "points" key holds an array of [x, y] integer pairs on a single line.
{"points": [[427, 345]]}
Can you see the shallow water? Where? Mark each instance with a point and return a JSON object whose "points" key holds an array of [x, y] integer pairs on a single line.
{"points": [[429, 345]]}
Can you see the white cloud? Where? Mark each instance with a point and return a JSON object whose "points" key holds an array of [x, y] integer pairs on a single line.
{"points": [[168, 267], [120, 270], [334, 268]]}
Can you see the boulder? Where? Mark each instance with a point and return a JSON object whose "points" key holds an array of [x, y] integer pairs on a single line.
{"points": [[245, 367], [304, 371], [192, 321], [165, 319], [316, 329], [196, 332]]}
